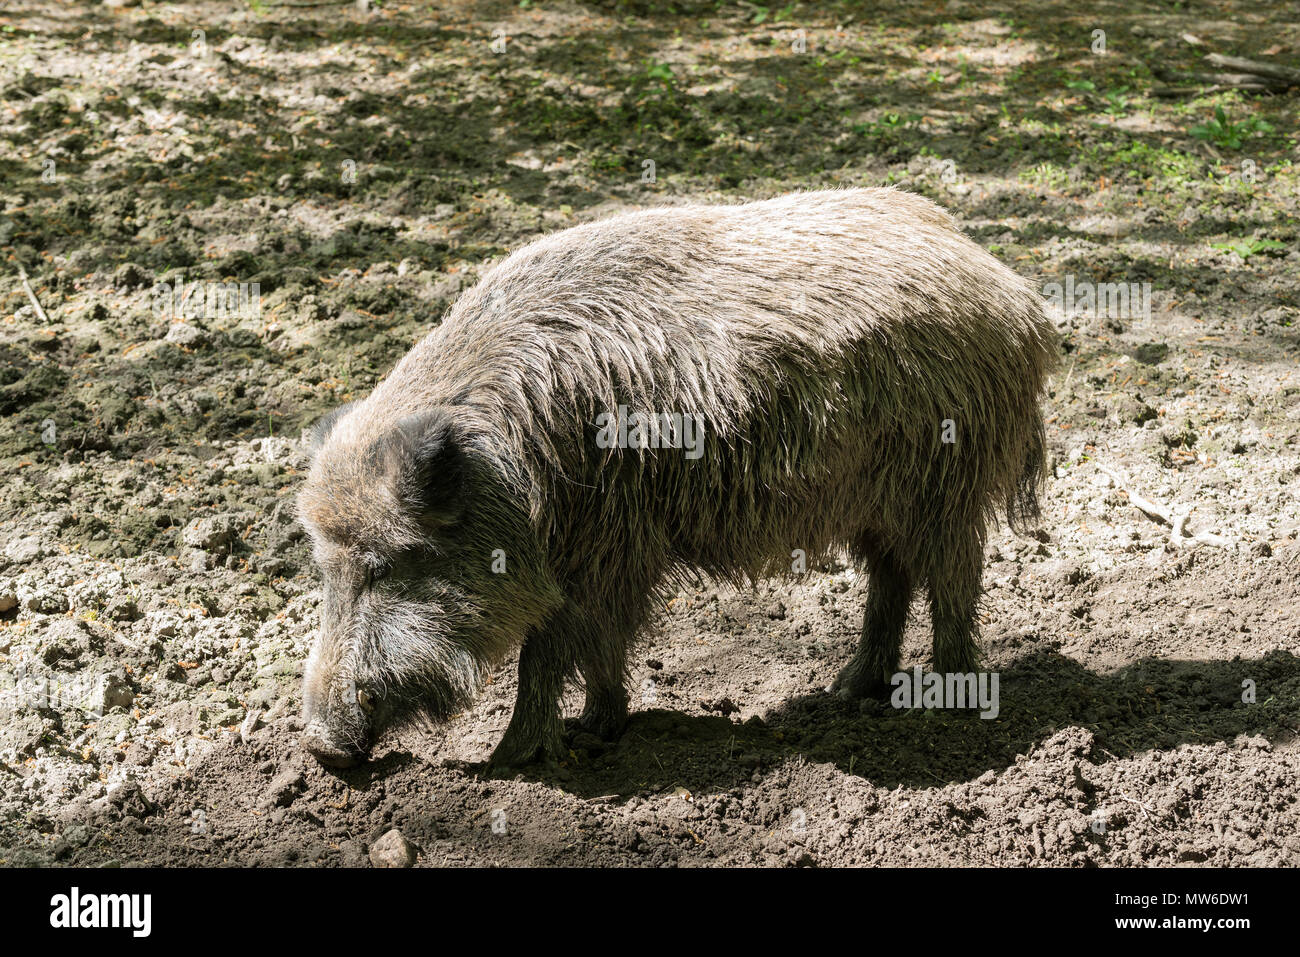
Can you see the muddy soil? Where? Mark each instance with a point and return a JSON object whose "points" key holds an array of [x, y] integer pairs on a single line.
{"points": [[156, 595]]}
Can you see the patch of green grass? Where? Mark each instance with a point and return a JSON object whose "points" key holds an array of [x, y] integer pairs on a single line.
{"points": [[1249, 247], [763, 13], [1048, 175], [887, 122], [1113, 102], [888, 133], [1143, 161]]}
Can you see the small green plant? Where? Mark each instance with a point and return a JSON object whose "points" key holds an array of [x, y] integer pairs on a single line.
{"points": [[1230, 135], [886, 133], [1116, 101], [1250, 247], [963, 67], [662, 72], [895, 120]]}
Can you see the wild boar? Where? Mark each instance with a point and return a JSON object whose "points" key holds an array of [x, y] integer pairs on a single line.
{"points": [[857, 374]]}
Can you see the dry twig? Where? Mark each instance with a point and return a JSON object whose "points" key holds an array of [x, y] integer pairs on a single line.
{"points": [[36, 303], [1175, 518]]}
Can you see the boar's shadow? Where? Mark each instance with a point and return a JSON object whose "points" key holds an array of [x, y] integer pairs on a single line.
{"points": [[1150, 704]]}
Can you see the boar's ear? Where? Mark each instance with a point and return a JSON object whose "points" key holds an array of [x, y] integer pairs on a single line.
{"points": [[430, 465], [325, 425]]}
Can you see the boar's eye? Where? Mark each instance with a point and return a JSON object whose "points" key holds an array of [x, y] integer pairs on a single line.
{"points": [[377, 571]]}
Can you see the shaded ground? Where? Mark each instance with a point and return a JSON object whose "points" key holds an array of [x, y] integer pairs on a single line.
{"points": [[151, 571]]}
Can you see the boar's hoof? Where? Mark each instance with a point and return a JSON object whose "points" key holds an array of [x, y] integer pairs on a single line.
{"points": [[854, 685], [508, 768], [316, 743], [606, 725], [505, 766], [515, 753]]}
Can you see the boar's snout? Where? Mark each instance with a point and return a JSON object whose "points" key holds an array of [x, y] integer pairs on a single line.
{"points": [[337, 730], [317, 741]]}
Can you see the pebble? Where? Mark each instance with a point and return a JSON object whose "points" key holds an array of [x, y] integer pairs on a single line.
{"points": [[184, 334], [392, 850], [24, 550], [284, 787]]}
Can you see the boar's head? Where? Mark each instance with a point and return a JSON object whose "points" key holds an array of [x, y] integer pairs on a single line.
{"points": [[431, 572]]}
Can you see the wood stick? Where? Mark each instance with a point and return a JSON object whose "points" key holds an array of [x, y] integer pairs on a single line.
{"points": [[1175, 519], [1290, 75], [1235, 81], [36, 303]]}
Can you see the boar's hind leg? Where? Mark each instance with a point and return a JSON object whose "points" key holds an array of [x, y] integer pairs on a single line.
{"points": [[547, 659], [603, 672], [888, 596], [955, 572]]}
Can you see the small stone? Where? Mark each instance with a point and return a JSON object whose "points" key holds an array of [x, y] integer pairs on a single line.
{"points": [[392, 850], [210, 533], [250, 724], [129, 796], [65, 639], [163, 625], [1151, 353], [23, 733], [285, 786], [121, 607], [128, 275], [723, 706], [264, 696], [113, 692], [184, 334], [45, 341], [352, 853], [23, 550]]}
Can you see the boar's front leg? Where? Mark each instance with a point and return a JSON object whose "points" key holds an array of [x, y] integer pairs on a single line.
{"points": [[547, 660]]}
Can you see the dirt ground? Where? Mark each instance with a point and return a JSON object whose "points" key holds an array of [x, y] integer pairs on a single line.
{"points": [[156, 596]]}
